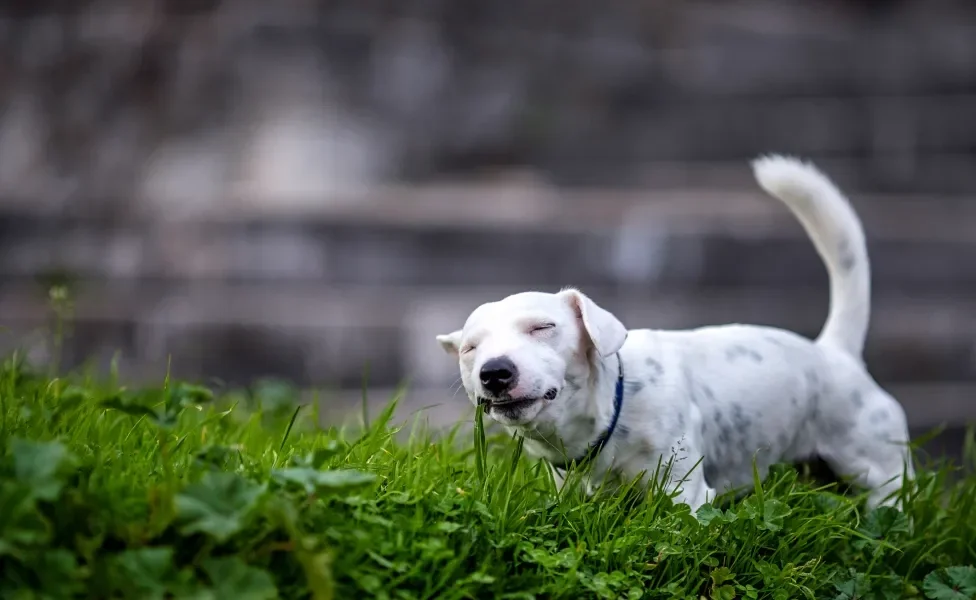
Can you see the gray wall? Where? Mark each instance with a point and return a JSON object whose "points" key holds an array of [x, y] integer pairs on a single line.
{"points": [[299, 192]]}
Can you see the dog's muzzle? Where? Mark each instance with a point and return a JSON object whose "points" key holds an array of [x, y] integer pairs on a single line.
{"points": [[514, 403]]}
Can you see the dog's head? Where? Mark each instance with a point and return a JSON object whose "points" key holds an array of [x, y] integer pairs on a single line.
{"points": [[525, 356]]}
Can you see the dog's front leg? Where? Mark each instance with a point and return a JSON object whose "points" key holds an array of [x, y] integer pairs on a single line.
{"points": [[694, 491], [557, 476], [681, 476]]}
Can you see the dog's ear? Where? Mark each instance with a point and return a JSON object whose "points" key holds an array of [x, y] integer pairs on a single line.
{"points": [[450, 342], [606, 332]]}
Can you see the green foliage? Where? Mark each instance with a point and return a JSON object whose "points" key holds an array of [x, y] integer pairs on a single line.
{"points": [[951, 583], [218, 505], [177, 492]]}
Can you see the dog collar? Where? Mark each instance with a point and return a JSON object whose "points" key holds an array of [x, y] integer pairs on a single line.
{"points": [[597, 445]]}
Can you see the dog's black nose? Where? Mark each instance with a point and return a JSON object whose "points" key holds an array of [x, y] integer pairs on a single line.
{"points": [[498, 375]]}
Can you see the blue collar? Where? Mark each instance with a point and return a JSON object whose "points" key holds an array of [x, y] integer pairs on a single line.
{"points": [[597, 445]]}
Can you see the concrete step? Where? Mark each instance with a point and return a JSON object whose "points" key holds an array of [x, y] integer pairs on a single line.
{"points": [[323, 334], [681, 240]]}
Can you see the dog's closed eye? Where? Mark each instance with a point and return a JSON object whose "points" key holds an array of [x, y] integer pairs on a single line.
{"points": [[540, 327]]}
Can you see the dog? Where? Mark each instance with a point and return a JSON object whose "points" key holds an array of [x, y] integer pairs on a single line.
{"points": [[567, 376]]}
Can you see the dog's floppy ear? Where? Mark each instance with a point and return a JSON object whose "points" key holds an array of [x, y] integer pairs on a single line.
{"points": [[451, 342], [606, 332]]}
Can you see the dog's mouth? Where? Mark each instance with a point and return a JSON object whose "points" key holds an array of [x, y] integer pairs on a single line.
{"points": [[515, 404]]}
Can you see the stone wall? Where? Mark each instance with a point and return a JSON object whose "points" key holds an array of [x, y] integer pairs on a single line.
{"points": [[178, 107]]}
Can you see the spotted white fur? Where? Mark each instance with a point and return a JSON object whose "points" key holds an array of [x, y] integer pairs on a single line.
{"points": [[721, 396]]}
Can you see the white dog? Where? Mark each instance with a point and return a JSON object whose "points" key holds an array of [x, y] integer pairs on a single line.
{"points": [[567, 376]]}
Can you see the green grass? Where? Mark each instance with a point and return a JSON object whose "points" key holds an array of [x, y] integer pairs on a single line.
{"points": [[178, 492]]}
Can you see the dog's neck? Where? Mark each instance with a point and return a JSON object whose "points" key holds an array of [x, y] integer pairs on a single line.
{"points": [[587, 412]]}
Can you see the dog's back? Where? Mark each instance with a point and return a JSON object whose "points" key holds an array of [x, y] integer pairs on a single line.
{"points": [[769, 395]]}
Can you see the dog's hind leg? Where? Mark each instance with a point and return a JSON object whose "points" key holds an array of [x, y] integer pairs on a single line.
{"points": [[873, 451]]}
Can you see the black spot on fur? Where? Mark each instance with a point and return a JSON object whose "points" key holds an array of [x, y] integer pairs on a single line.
{"points": [[623, 431], [707, 391], [879, 416], [814, 389], [725, 434], [783, 440], [710, 472], [739, 351], [857, 400], [633, 387], [846, 258], [681, 421], [739, 418], [656, 369], [794, 401]]}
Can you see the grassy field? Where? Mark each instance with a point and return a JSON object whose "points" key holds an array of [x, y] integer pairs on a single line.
{"points": [[181, 492]]}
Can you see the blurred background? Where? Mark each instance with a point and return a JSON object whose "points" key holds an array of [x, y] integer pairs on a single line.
{"points": [[310, 190]]}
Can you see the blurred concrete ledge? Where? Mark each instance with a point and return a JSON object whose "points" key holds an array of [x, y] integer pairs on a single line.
{"points": [[330, 336], [509, 204], [696, 239], [523, 202]]}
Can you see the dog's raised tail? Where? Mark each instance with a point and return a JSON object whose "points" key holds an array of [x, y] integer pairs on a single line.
{"points": [[836, 232]]}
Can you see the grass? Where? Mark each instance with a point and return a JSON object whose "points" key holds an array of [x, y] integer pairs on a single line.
{"points": [[180, 492]]}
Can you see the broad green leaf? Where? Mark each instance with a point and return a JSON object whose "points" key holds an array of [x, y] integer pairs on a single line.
{"points": [[888, 587], [131, 408], [217, 505], [770, 514], [725, 592], [853, 587], [58, 573], [313, 480], [707, 514], [885, 522], [40, 466], [721, 575], [21, 524], [274, 396], [316, 459], [185, 394], [952, 583], [232, 578], [218, 457], [770, 573], [143, 573]]}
